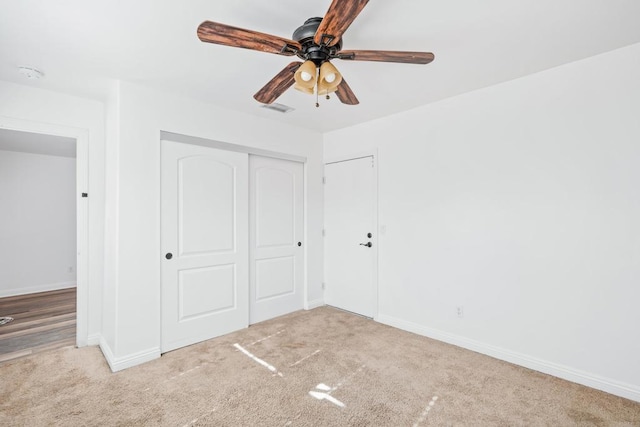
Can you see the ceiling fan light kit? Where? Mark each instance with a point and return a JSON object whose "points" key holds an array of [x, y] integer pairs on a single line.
{"points": [[316, 42], [303, 89], [329, 78], [306, 77]]}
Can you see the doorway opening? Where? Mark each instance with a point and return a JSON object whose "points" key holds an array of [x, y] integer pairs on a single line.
{"points": [[41, 238]]}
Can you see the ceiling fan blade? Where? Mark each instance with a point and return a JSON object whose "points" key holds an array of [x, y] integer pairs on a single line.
{"points": [[278, 85], [340, 15], [345, 94], [387, 56], [213, 32]]}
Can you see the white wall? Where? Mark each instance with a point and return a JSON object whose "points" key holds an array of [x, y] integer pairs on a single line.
{"points": [[109, 291], [136, 117], [35, 106], [521, 203], [38, 221]]}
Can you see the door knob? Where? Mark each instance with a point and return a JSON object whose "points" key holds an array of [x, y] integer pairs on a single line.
{"points": [[368, 244], [169, 255]]}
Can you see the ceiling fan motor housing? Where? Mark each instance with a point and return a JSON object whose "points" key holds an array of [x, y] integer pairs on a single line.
{"points": [[318, 53]]}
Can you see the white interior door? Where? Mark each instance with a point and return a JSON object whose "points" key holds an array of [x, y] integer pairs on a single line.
{"points": [[205, 243], [276, 230], [350, 236]]}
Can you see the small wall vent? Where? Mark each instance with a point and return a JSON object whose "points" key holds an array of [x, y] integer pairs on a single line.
{"points": [[280, 108]]}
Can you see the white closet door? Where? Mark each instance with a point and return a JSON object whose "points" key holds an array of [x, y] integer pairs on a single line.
{"points": [[350, 243], [276, 230], [205, 243]]}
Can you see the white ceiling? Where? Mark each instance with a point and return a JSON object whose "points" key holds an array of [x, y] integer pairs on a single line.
{"points": [[80, 45], [36, 143]]}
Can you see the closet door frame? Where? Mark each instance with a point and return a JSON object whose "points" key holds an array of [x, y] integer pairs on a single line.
{"points": [[186, 139]]}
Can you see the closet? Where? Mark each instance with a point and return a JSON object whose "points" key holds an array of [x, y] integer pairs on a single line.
{"points": [[232, 226]]}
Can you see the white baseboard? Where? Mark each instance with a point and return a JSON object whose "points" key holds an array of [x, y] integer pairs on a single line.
{"points": [[310, 305], [94, 339], [608, 385], [119, 363], [35, 289]]}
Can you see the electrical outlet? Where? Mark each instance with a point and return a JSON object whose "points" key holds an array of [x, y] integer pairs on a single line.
{"points": [[70, 270], [460, 311]]}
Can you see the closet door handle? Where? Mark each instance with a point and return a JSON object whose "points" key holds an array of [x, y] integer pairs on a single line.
{"points": [[368, 244]]}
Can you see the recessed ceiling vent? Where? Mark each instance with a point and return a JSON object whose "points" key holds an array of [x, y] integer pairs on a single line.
{"points": [[280, 108]]}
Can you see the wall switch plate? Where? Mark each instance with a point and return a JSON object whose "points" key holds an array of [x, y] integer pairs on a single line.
{"points": [[460, 311]]}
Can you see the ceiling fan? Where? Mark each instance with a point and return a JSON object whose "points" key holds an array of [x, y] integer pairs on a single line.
{"points": [[317, 42]]}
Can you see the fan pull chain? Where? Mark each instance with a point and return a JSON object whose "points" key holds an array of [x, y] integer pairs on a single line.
{"points": [[317, 95]]}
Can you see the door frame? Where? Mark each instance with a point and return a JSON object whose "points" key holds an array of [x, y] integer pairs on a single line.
{"points": [[211, 143], [82, 210], [373, 153]]}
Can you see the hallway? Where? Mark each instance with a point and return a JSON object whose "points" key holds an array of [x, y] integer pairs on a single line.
{"points": [[42, 321]]}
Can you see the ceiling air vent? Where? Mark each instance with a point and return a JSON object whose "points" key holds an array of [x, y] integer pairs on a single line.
{"points": [[280, 108]]}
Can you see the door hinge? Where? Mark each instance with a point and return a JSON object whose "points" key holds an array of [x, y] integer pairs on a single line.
{"points": [[323, 286], [85, 195], [324, 232], [324, 179]]}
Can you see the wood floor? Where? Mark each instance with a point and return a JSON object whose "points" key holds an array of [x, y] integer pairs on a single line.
{"points": [[42, 321]]}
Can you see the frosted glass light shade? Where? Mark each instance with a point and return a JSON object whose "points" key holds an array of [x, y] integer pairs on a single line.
{"points": [[305, 77], [309, 90], [329, 79]]}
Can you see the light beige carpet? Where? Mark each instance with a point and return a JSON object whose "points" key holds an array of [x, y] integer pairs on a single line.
{"points": [[318, 368]]}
